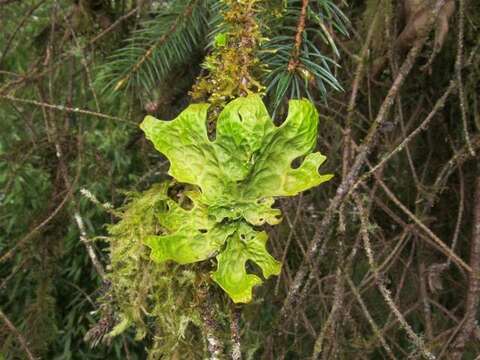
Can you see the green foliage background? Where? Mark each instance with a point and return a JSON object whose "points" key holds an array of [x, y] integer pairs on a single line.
{"points": [[77, 78]]}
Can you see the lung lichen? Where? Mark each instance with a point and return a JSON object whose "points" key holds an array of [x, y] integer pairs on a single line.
{"points": [[234, 181]]}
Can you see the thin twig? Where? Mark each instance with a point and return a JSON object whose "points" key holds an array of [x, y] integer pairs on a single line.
{"points": [[359, 72], [294, 60], [21, 339], [434, 238], [37, 228], [418, 341], [461, 206], [458, 72], [368, 144], [55, 135], [164, 38], [6, 2], [423, 126], [369, 317], [90, 250], [473, 293], [65, 109], [35, 73], [19, 26]]}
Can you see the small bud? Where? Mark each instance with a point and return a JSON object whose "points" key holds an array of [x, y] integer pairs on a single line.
{"points": [[151, 107]]}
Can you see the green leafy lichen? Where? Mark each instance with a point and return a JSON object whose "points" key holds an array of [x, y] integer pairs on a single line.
{"points": [[235, 179], [191, 235], [246, 244]]}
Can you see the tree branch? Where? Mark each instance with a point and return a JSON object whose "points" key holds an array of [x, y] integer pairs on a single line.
{"points": [[21, 339], [368, 144], [473, 293], [294, 61]]}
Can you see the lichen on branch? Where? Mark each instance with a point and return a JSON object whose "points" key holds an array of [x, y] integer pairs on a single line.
{"points": [[233, 182]]}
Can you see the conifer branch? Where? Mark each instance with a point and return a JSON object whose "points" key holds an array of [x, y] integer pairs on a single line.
{"points": [[158, 47], [293, 63], [297, 66], [161, 41]]}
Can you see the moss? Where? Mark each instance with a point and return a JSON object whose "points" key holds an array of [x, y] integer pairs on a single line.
{"points": [[233, 67], [158, 300]]}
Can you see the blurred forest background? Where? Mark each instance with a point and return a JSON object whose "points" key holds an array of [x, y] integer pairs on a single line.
{"points": [[382, 262]]}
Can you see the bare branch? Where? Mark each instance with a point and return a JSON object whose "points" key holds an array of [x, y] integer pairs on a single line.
{"points": [[473, 293], [23, 343]]}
